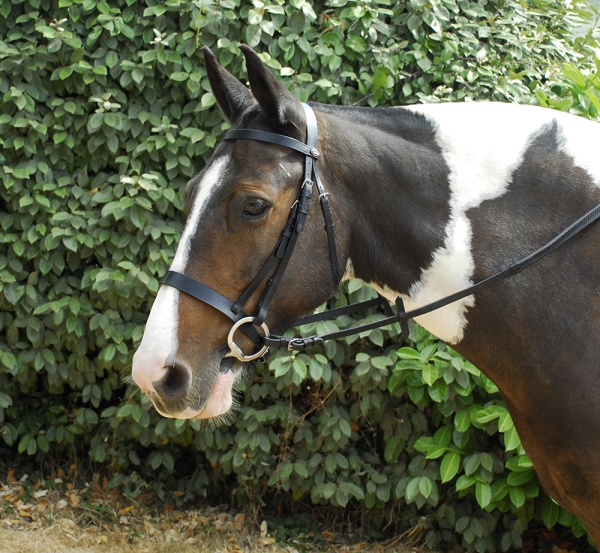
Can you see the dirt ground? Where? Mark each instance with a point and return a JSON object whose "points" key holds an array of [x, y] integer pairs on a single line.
{"points": [[61, 538], [65, 536], [61, 516]]}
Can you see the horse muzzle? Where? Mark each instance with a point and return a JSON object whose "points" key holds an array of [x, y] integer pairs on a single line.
{"points": [[177, 392]]}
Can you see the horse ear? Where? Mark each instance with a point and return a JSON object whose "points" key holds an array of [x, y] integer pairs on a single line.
{"points": [[231, 95], [278, 103]]}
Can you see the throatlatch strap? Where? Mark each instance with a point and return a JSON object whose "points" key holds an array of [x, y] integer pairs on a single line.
{"points": [[312, 140]]}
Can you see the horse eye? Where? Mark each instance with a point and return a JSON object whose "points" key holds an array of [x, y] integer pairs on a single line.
{"points": [[255, 208]]}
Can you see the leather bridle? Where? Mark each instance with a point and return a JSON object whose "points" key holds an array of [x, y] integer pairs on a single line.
{"points": [[278, 261]]}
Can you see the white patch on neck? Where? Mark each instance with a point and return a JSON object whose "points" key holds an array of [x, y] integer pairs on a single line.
{"points": [[159, 343], [482, 143], [576, 140]]}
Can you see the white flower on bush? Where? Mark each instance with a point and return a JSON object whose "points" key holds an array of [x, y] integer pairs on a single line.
{"points": [[57, 24], [161, 39], [104, 103]]}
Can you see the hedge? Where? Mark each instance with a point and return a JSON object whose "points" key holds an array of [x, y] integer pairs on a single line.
{"points": [[106, 113]]}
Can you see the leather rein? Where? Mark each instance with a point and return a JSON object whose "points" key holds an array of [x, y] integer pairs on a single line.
{"points": [[278, 261]]}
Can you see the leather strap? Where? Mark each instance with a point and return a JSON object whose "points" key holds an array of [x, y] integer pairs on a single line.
{"points": [[272, 138], [311, 140], [207, 295]]}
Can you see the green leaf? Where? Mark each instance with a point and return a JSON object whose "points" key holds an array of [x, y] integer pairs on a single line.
{"points": [[65, 72], [462, 421], [593, 98], [436, 451], [111, 59], [511, 439], [341, 497], [483, 494], [430, 374], [412, 489], [520, 478], [408, 353], [425, 486], [126, 410], [550, 511], [5, 399], [414, 24], [380, 78], [505, 422], [179, 76], [300, 469], [449, 466], [43, 444], [393, 449], [425, 64], [356, 43], [517, 497], [576, 76]]}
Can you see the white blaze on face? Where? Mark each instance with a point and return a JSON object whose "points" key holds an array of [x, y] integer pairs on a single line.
{"points": [[207, 186], [159, 343]]}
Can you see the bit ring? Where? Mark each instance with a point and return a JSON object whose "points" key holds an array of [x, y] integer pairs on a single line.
{"points": [[235, 350]]}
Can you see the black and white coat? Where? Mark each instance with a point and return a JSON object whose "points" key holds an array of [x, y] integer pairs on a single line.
{"points": [[427, 200]]}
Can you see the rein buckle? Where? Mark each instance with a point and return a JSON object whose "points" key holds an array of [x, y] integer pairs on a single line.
{"points": [[300, 344]]}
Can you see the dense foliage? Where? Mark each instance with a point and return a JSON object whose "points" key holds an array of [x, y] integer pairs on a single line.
{"points": [[106, 113]]}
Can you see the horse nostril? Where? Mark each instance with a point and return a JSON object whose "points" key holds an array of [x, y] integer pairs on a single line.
{"points": [[175, 383]]}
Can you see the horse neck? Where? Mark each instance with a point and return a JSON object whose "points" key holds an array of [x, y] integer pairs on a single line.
{"points": [[387, 177]]}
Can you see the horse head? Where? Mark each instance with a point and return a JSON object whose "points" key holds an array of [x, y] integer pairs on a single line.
{"points": [[237, 209]]}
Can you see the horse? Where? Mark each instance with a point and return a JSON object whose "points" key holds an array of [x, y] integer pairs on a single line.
{"points": [[419, 202]]}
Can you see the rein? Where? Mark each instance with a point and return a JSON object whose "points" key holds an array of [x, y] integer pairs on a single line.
{"points": [[279, 259], [402, 316]]}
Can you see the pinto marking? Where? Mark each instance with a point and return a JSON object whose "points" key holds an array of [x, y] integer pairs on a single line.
{"points": [[479, 170], [429, 199]]}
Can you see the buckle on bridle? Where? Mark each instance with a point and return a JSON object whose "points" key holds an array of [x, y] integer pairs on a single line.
{"points": [[236, 351], [300, 344]]}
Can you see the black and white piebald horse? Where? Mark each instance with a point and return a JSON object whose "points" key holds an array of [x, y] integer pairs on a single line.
{"points": [[426, 201]]}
